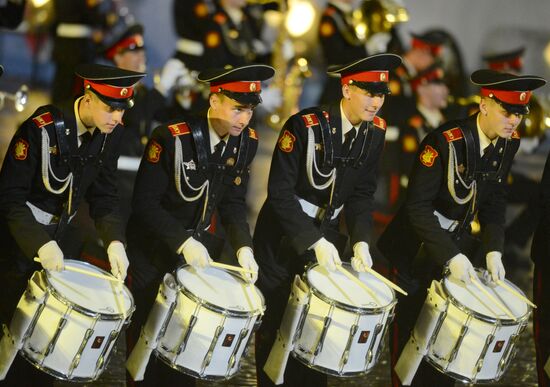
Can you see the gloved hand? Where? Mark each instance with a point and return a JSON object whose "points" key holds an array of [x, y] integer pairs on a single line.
{"points": [[118, 259], [326, 254], [272, 98], [461, 268], [495, 266], [51, 256], [362, 259], [174, 73], [195, 253], [245, 256]]}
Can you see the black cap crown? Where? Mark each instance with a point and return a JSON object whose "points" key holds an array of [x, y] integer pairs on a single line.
{"points": [[129, 40], [503, 61]]}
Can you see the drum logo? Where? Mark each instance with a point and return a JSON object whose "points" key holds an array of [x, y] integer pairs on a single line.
{"points": [[498, 346], [97, 342], [228, 341], [363, 337]]}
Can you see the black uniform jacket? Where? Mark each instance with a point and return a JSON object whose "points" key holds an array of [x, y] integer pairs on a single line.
{"points": [[540, 249], [428, 191], [159, 211], [282, 215], [94, 178]]}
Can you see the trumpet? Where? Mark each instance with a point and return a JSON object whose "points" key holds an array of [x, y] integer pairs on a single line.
{"points": [[19, 98]]}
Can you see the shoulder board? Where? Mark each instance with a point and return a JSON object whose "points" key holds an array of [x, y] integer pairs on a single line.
{"points": [[515, 135], [453, 134], [43, 119], [400, 71], [379, 122], [179, 129], [220, 18], [329, 11], [310, 119], [252, 134]]}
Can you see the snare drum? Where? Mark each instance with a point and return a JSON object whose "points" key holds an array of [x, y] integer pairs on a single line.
{"points": [[474, 340], [343, 328], [211, 323], [69, 321]]}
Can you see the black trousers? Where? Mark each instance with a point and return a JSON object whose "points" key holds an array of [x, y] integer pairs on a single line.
{"points": [[541, 323]]}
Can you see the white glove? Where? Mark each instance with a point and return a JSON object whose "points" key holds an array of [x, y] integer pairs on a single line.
{"points": [[118, 259], [378, 43], [174, 73], [326, 254], [245, 256], [495, 266], [272, 98], [51, 256], [461, 268], [195, 253], [362, 259]]}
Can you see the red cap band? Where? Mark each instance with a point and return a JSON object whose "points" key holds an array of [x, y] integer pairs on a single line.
{"points": [[366, 76], [436, 74], [134, 40], [515, 63], [237, 87], [507, 96], [434, 48], [110, 91]]}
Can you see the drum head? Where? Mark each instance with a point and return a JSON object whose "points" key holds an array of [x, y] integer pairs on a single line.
{"points": [[94, 294], [336, 286], [471, 298], [220, 288]]}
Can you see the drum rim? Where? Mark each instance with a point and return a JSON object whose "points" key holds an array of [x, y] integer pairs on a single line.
{"points": [[192, 373], [213, 307], [459, 377], [56, 374], [329, 371], [85, 311], [481, 316], [342, 305]]}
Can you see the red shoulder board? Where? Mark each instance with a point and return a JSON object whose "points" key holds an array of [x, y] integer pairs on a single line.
{"points": [[515, 134], [220, 18], [400, 71], [453, 134], [179, 129], [310, 119], [379, 122], [252, 133], [416, 121], [329, 11], [43, 119]]}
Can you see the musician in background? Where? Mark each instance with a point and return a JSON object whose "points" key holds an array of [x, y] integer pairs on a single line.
{"points": [[11, 13], [460, 172]]}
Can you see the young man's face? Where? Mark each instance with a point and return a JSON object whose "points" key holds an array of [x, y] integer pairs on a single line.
{"points": [[361, 104], [228, 115], [434, 95], [101, 115], [500, 122], [133, 60]]}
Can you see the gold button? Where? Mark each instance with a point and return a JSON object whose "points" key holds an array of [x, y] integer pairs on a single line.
{"points": [[237, 180], [230, 162]]}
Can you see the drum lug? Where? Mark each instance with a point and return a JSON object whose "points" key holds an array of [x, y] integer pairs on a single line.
{"points": [[183, 344], [326, 324], [60, 326], [352, 332], [458, 343], [104, 354], [375, 334], [76, 359], [208, 356], [233, 357], [479, 364]]}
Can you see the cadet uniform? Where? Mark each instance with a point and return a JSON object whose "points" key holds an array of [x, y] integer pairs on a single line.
{"points": [[45, 176], [181, 181], [309, 160], [451, 182]]}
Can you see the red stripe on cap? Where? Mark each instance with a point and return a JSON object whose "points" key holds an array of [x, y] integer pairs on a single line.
{"points": [[511, 97], [366, 76], [134, 40], [434, 48], [437, 74], [515, 63], [110, 91], [237, 87]]}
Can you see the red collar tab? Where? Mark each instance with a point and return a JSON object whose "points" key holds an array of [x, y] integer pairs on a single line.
{"points": [[115, 92], [366, 76], [515, 63], [131, 42], [434, 48], [508, 96], [237, 87]]}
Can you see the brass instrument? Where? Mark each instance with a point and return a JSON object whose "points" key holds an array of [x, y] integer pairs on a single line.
{"points": [[19, 98], [534, 124], [473, 99], [376, 16]]}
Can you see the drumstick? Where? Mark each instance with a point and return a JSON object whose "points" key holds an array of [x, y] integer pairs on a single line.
{"points": [[493, 299], [385, 280], [231, 267], [86, 272], [342, 270], [515, 293]]}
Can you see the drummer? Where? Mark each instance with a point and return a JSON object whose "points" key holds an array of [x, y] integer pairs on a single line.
{"points": [[324, 164], [192, 167], [459, 176], [58, 157]]}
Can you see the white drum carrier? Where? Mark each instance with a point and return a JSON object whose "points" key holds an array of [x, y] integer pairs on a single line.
{"points": [[341, 331], [68, 322]]}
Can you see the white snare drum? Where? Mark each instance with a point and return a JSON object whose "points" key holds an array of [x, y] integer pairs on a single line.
{"points": [[211, 323], [474, 340], [69, 323], [343, 328]]}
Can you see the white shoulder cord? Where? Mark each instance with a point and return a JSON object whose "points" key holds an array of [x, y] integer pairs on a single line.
{"points": [[452, 172], [311, 163], [47, 170], [178, 169]]}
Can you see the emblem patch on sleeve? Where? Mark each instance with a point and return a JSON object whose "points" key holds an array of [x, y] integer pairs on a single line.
{"points": [[153, 152], [20, 149], [428, 156], [286, 142]]}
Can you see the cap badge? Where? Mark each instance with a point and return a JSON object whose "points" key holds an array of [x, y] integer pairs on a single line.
{"points": [[252, 87], [382, 77], [522, 96], [124, 92]]}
